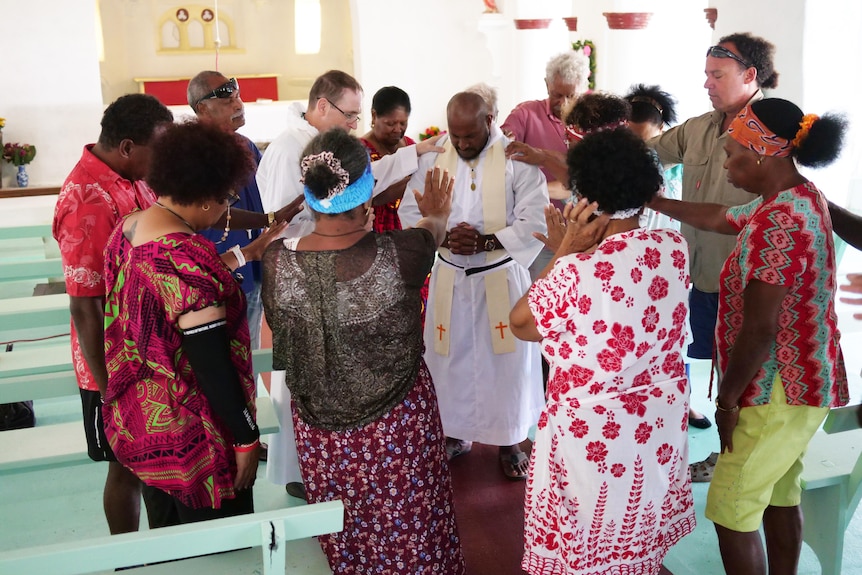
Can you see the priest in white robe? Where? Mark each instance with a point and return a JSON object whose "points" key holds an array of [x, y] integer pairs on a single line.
{"points": [[489, 384]]}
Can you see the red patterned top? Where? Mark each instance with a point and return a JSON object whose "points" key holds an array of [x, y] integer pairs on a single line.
{"points": [[385, 217], [92, 201], [158, 421], [786, 240]]}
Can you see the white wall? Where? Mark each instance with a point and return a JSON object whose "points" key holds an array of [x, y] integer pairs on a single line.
{"points": [[50, 95]]}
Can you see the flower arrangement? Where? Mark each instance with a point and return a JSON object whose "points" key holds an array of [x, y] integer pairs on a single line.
{"points": [[2, 123], [589, 50], [19, 154], [430, 132]]}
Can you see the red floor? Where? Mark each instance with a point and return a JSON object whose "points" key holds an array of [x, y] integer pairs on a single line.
{"points": [[490, 512]]}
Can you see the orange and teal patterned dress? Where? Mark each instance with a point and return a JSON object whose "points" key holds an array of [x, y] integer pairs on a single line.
{"points": [[157, 419]]}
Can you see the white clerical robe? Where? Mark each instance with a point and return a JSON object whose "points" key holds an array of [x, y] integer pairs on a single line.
{"points": [[483, 396], [278, 179]]}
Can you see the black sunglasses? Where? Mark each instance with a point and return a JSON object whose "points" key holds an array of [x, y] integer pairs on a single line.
{"points": [[226, 90], [722, 52]]}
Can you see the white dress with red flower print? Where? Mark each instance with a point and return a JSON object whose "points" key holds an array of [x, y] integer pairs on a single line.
{"points": [[609, 488]]}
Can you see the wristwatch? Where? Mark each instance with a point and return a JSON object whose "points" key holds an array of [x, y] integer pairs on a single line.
{"points": [[490, 243], [270, 218]]}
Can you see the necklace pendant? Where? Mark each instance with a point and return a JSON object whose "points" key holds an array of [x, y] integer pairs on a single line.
{"points": [[473, 186]]}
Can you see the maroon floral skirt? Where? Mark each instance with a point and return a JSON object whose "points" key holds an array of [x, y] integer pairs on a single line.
{"points": [[393, 479]]}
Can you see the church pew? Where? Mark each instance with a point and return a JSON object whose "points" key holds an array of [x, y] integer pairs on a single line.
{"points": [[832, 486], [44, 373], [57, 445], [268, 530], [35, 311]]}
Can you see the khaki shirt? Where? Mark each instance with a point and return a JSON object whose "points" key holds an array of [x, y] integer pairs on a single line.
{"points": [[698, 144]]}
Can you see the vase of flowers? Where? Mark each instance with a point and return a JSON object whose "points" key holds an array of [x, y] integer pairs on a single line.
{"points": [[20, 155]]}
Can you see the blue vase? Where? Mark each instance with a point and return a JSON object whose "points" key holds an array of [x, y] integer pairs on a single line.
{"points": [[23, 178]]}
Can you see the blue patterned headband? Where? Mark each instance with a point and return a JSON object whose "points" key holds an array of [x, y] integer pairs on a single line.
{"points": [[343, 197]]}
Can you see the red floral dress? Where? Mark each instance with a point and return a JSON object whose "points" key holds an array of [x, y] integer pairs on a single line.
{"points": [[609, 489]]}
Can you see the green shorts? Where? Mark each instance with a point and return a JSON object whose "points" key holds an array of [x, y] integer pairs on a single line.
{"points": [[766, 463]]}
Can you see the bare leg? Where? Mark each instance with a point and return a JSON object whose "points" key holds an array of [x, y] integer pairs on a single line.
{"points": [[122, 499], [741, 552], [783, 529]]}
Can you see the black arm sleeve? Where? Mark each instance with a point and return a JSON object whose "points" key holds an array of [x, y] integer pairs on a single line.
{"points": [[208, 349]]}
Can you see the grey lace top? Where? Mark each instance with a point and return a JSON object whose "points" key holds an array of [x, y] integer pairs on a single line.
{"points": [[346, 325]]}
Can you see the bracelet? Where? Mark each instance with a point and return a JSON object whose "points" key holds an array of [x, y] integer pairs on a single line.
{"points": [[733, 409], [240, 448], [270, 218], [240, 257]]}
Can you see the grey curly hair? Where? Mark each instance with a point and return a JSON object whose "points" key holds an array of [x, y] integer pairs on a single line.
{"points": [[571, 67]]}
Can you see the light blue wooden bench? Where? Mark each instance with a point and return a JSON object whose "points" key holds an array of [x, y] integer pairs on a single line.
{"points": [[270, 531], [43, 373], [832, 486], [31, 269], [35, 311], [43, 231]]}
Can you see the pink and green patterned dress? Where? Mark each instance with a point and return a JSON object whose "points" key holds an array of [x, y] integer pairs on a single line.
{"points": [[158, 421]]}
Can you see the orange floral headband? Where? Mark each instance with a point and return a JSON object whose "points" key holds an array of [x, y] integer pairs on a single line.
{"points": [[748, 130]]}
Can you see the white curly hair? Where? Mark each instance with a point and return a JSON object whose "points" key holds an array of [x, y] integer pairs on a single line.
{"points": [[571, 67]]}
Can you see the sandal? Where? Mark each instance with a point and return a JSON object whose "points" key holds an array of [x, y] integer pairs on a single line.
{"points": [[456, 447], [510, 463], [702, 471]]}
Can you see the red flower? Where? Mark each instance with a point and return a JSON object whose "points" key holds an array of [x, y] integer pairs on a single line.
{"points": [[612, 246], [565, 350], [604, 271], [600, 326], [596, 451], [652, 258], [584, 304], [609, 360], [637, 275], [617, 469], [611, 429], [664, 453], [650, 319], [678, 259], [643, 432], [617, 293], [658, 288], [634, 403], [679, 313], [558, 385], [643, 378], [673, 365], [622, 339], [642, 349], [581, 340], [543, 420], [580, 376], [579, 428]]}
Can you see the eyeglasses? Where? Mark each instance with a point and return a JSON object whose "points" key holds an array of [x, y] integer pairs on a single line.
{"points": [[722, 52], [226, 90], [349, 116]]}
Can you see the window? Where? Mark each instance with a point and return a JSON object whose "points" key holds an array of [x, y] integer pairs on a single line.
{"points": [[307, 26]]}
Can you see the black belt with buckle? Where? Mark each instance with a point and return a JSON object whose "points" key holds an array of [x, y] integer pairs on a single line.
{"points": [[472, 271]]}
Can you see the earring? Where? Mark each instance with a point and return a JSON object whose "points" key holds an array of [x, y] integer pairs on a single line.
{"points": [[206, 207], [759, 160]]}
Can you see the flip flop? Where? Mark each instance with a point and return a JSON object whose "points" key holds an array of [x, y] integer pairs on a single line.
{"points": [[702, 471], [457, 447], [510, 462]]}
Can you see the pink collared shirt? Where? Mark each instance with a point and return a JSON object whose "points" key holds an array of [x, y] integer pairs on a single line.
{"points": [[534, 124]]}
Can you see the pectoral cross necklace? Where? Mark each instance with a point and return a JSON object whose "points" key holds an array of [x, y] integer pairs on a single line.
{"points": [[473, 165]]}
